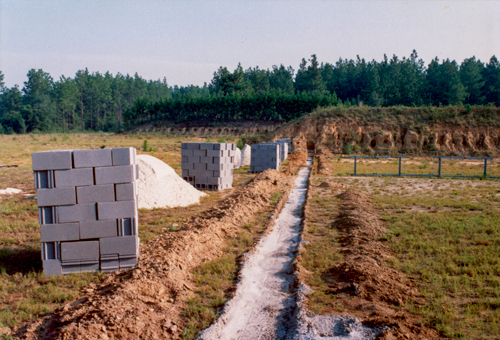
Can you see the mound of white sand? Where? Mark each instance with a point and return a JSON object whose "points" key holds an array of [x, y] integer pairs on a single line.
{"points": [[237, 159], [246, 154], [159, 186]]}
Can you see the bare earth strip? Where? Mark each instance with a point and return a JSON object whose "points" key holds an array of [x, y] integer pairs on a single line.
{"points": [[264, 298]]}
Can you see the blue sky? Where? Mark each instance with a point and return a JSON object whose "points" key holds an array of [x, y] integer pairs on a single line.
{"points": [[186, 41]]}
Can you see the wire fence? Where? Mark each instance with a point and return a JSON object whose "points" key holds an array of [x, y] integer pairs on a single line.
{"points": [[401, 166]]}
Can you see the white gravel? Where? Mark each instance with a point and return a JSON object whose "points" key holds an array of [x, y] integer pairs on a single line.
{"points": [[159, 186]]}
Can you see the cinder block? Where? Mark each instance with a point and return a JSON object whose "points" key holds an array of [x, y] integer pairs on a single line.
{"points": [[51, 250], [123, 156], [187, 166], [190, 146], [44, 179], [79, 251], [216, 167], [52, 267], [128, 263], [110, 265], [98, 229], [52, 160], [201, 153], [52, 197], [206, 160], [74, 178], [214, 180], [215, 153], [47, 215], [92, 158], [121, 245], [60, 232], [186, 152], [71, 269], [200, 166], [113, 210], [127, 226], [76, 213], [206, 146], [114, 174], [136, 171], [125, 192], [193, 159], [89, 267], [96, 193], [185, 173]]}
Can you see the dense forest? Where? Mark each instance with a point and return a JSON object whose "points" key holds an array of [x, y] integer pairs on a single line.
{"points": [[103, 102]]}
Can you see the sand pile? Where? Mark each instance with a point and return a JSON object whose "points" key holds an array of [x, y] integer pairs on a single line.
{"points": [[237, 160], [159, 186], [246, 154]]}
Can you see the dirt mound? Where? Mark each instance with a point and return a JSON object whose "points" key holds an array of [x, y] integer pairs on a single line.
{"points": [[146, 302], [324, 166], [159, 186], [331, 185], [363, 285]]}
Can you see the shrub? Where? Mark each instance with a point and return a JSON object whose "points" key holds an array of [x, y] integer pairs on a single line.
{"points": [[347, 149]]}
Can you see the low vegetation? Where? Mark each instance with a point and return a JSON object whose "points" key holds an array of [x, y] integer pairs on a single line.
{"points": [[444, 235]]}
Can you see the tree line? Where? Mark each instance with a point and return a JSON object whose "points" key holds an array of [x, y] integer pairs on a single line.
{"points": [[106, 102]]}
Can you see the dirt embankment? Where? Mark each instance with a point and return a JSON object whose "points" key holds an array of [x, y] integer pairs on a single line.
{"points": [[146, 302], [361, 283], [330, 135], [205, 129]]}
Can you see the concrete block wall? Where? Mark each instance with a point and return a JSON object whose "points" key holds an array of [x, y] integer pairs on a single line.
{"points": [[265, 156], [208, 166], [288, 143], [87, 202]]}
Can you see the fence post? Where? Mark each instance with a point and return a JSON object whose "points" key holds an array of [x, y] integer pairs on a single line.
{"points": [[399, 172], [439, 168], [355, 159], [485, 166]]}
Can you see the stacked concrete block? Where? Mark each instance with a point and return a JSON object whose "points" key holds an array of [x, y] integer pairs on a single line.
{"points": [[265, 156], [87, 201], [283, 149], [288, 143], [208, 166]]}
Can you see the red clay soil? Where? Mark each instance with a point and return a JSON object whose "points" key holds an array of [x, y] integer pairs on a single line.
{"points": [[146, 302], [361, 283]]}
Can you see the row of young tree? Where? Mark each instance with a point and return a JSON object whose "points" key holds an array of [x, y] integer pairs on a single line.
{"points": [[89, 101], [106, 102]]}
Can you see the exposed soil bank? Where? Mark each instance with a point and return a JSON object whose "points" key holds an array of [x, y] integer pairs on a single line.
{"points": [[330, 135]]}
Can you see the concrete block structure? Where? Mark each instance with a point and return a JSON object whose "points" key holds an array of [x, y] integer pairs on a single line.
{"points": [[87, 202], [208, 166], [265, 156], [288, 143]]}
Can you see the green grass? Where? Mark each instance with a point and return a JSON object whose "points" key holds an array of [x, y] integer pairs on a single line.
{"points": [[445, 234], [319, 255]]}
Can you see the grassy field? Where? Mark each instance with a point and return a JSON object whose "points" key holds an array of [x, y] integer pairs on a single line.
{"points": [[25, 292], [420, 166], [445, 234]]}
